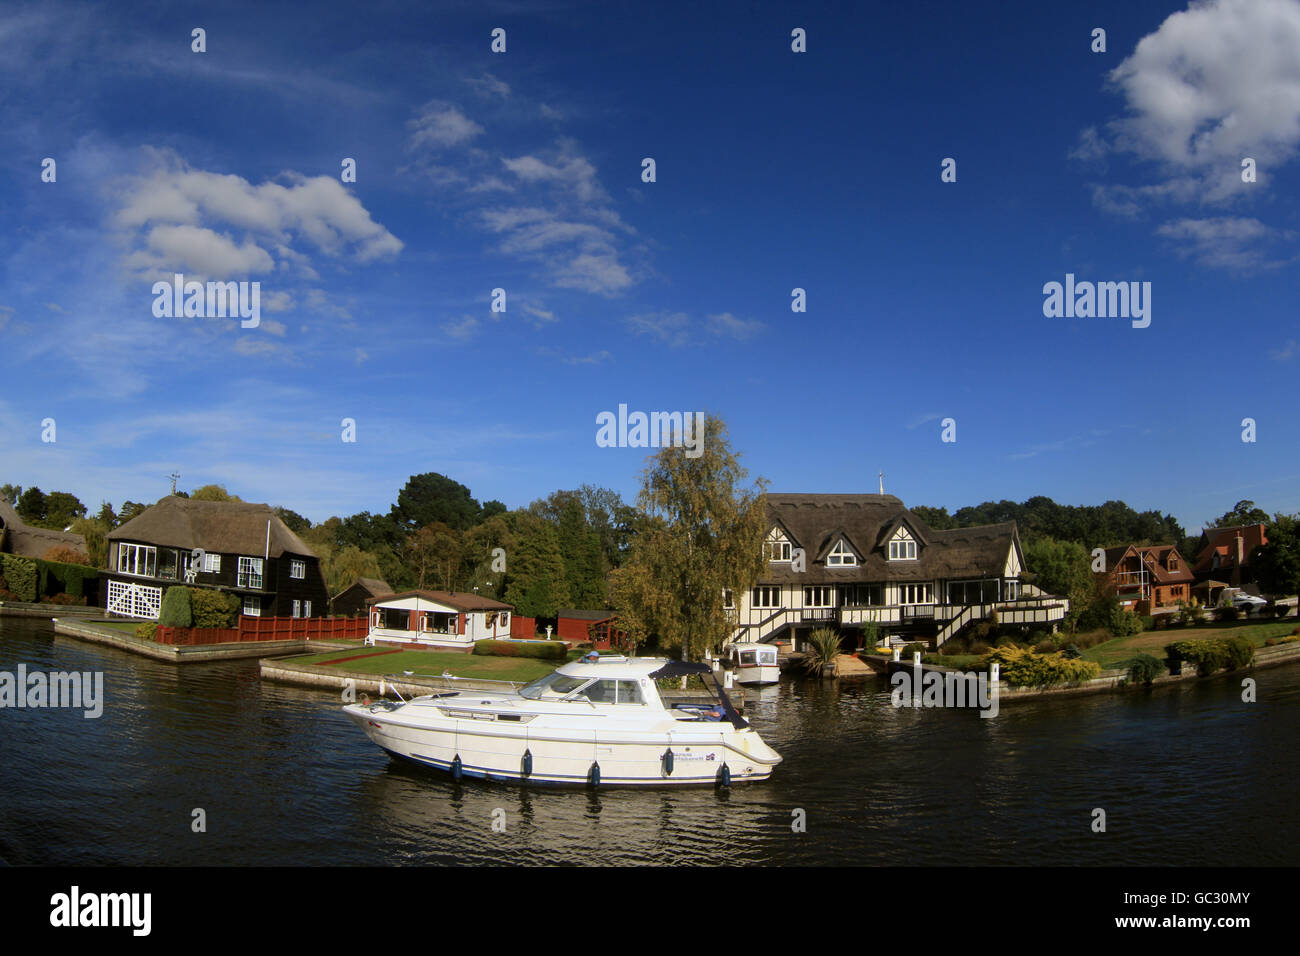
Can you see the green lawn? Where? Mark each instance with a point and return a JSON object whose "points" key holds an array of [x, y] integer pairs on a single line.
{"points": [[1113, 652], [125, 626], [435, 662]]}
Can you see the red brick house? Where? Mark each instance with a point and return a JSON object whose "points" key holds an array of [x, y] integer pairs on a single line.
{"points": [[1147, 577], [1224, 553]]}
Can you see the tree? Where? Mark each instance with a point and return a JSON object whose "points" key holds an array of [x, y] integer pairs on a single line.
{"points": [[106, 516], [294, 521], [431, 498], [1243, 512], [130, 509], [1277, 564], [213, 493], [31, 506], [11, 493], [342, 568], [95, 534], [433, 555], [704, 535], [491, 509], [1062, 568], [482, 564], [936, 518], [535, 578], [62, 508]]}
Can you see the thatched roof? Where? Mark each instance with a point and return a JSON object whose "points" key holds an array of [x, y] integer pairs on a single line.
{"points": [[18, 537], [375, 587], [816, 522], [221, 527]]}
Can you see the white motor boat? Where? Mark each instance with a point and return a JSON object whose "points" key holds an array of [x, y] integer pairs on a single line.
{"points": [[601, 722], [754, 664]]}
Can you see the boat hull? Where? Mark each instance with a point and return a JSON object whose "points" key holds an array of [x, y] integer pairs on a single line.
{"points": [[563, 756]]}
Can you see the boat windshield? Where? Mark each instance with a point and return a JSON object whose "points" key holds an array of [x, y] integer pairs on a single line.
{"points": [[553, 685]]}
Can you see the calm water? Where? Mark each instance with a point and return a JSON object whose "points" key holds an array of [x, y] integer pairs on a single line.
{"points": [[1186, 775]]}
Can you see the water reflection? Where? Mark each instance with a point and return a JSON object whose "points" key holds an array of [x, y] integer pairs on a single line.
{"points": [[1188, 775]]}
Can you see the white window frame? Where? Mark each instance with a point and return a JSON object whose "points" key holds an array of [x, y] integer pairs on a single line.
{"points": [[841, 556], [902, 546], [148, 552], [297, 608], [256, 603], [306, 608], [777, 547], [211, 563], [915, 594], [766, 592], [818, 595], [297, 568], [248, 572]]}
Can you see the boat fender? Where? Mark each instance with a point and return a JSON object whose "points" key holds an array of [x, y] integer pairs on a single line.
{"points": [[724, 776], [668, 762], [455, 768], [528, 763], [593, 775]]}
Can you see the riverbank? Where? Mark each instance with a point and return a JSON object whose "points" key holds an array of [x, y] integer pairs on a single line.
{"points": [[47, 611], [100, 632]]}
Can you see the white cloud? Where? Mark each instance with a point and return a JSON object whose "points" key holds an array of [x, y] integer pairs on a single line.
{"points": [[727, 324], [670, 328], [441, 125], [1225, 242], [462, 330], [174, 219], [489, 85]]}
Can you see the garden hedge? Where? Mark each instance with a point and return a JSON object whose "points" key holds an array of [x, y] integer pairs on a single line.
{"points": [[543, 650], [21, 575]]}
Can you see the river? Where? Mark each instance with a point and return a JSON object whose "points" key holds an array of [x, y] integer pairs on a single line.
{"points": [[1186, 775]]}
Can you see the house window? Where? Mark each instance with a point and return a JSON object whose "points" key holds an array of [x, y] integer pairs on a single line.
{"points": [[765, 596], [914, 594], [167, 562], [860, 595], [777, 546], [297, 609], [138, 559], [902, 547], [252, 605], [1013, 591], [841, 556], [297, 569], [728, 599], [212, 563], [250, 573], [819, 597], [505, 618]]}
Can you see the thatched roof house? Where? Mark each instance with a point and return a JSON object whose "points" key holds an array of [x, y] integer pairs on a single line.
{"points": [[18, 537]]}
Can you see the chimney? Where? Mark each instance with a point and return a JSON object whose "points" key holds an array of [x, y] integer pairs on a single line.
{"points": [[1241, 549]]}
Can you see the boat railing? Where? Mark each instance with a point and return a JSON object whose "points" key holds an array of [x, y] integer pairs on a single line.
{"points": [[443, 682]]}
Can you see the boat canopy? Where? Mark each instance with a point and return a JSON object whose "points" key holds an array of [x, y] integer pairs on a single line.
{"points": [[681, 669]]}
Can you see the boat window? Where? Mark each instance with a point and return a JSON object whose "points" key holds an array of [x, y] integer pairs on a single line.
{"points": [[629, 692], [601, 692], [747, 657], [554, 684]]}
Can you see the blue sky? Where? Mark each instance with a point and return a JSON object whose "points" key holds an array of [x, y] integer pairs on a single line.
{"points": [[775, 170]]}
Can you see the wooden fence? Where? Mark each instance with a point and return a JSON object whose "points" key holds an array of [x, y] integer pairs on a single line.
{"points": [[269, 629]]}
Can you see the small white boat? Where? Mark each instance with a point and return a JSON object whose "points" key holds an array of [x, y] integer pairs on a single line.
{"points": [[754, 664], [602, 723]]}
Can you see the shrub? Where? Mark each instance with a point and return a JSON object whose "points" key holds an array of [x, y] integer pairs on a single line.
{"points": [[62, 554], [1148, 622], [175, 610], [21, 575], [822, 649], [54, 577], [1071, 652], [912, 648], [1024, 668], [1210, 656], [211, 608], [1045, 647], [68, 599], [980, 648], [542, 650], [1123, 623], [1143, 669], [147, 631]]}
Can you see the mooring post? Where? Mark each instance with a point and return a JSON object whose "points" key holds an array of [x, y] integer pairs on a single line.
{"points": [[898, 653]]}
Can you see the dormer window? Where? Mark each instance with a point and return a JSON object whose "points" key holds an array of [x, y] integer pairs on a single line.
{"points": [[841, 556], [777, 546], [902, 546]]}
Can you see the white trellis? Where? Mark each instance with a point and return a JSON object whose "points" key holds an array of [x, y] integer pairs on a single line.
{"points": [[133, 600]]}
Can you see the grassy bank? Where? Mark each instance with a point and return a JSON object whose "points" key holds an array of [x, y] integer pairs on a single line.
{"points": [[430, 662], [1112, 653]]}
